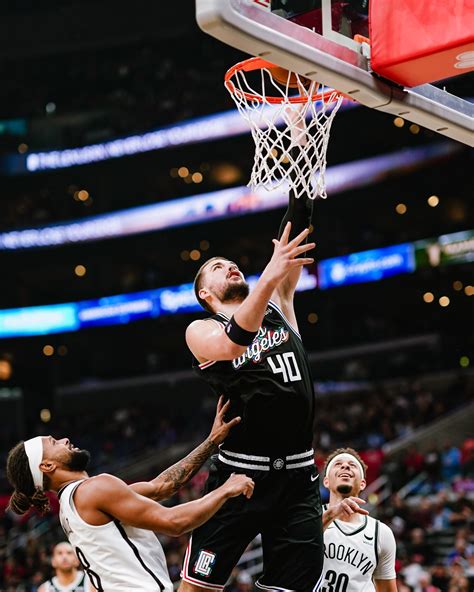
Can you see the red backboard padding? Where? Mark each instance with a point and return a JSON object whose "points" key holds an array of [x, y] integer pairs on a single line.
{"points": [[417, 41]]}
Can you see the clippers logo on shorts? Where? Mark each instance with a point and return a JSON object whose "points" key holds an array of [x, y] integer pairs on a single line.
{"points": [[265, 340], [204, 563]]}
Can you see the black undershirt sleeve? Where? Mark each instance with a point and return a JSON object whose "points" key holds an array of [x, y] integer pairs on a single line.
{"points": [[300, 209]]}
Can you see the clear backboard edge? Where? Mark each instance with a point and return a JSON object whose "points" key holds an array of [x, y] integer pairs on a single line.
{"points": [[258, 32]]}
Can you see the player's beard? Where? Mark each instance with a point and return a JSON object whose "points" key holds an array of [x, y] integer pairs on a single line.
{"points": [[235, 291], [78, 460], [344, 489]]}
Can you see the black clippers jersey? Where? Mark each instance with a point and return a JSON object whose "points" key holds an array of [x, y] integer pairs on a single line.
{"points": [[270, 387]]}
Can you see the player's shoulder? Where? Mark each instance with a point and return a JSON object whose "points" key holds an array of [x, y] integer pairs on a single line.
{"points": [[209, 323], [100, 484], [45, 587], [386, 538]]}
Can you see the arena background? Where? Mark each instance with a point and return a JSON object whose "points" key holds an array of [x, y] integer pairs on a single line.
{"points": [[389, 328]]}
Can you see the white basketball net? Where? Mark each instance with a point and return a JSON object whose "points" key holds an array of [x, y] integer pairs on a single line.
{"points": [[291, 139]]}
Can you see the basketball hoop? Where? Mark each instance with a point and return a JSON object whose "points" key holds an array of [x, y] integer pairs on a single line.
{"points": [[290, 118]]}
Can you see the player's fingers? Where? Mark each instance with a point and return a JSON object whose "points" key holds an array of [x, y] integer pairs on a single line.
{"points": [[223, 406], [359, 500], [362, 511], [302, 249], [285, 234], [300, 261], [219, 404], [297, 240], [233, 422]]}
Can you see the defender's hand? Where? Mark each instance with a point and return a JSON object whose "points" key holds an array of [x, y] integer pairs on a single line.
{"points": [[220, 429], [285, 255], [347, 507], [238, 484]]}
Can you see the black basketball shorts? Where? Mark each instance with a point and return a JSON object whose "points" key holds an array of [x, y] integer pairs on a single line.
{"points": [[285, 509]]}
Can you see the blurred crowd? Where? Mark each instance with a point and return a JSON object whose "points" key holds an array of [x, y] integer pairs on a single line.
{"points": [[434, 533], [432, 520]]}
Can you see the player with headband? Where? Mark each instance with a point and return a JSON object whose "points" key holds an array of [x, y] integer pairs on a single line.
{"points": [[110, 524], [250, 349], [359, 551]]}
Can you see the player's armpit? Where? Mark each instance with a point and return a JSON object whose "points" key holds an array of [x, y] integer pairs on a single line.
{"points": [[207, 340], [386, 585]]}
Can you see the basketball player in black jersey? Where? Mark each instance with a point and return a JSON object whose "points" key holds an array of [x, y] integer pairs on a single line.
{"points": [[250, 349]]}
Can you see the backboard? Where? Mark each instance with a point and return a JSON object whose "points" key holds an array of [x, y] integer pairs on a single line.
{"points": [[315, 38]]}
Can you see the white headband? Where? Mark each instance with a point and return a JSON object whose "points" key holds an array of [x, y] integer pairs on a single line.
{"points": [[345, 456], [34, 452]]}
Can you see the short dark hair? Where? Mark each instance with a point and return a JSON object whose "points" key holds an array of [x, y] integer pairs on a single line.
{"points": [[198, 285], [350, 451], [26, 495]]}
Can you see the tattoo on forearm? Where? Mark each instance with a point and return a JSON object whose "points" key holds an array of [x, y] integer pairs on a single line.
{"points": [[181, 472]]}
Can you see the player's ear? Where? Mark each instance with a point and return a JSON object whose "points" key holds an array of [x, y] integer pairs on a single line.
{"points": [[363, 484], [47, 466], [326, 482], [204, 293]]}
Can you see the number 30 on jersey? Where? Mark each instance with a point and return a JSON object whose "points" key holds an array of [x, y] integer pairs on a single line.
{"points": [[286, 365]]}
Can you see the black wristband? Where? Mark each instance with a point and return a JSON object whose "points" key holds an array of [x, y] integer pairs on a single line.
{"points": [[237, 334]]}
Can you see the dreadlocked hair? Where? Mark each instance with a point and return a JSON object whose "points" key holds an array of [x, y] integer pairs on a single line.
{"points": [[26, 495], [350, 451]]}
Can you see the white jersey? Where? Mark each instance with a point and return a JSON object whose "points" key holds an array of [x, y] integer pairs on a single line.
{"points": [[115, 556], [357, 553], [80, 584]]}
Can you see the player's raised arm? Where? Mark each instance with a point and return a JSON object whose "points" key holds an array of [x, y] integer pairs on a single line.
{"points": [[209, 340], [299, 211], [109, 496], [171, 479]]}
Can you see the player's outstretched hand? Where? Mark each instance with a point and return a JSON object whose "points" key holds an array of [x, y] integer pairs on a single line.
{"points": [[285, 255], [347, 507], [239, 484], [220, 428]]}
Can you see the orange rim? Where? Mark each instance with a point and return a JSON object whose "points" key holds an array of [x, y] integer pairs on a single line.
{"points": [[257, 63]]}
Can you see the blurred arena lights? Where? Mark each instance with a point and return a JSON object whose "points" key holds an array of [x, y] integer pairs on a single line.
{"points": [[6, 369], [48, 350], [80, 270], [433, 201], [225, 124], [401, 208], [45, 415], [361, 267], [464, 361], [428, 297], [444, 301], [236, 201]]}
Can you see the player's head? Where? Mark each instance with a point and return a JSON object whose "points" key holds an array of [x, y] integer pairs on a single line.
{"points": [[64, 559], [36, 465], [345, 472], [217, 281]]}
